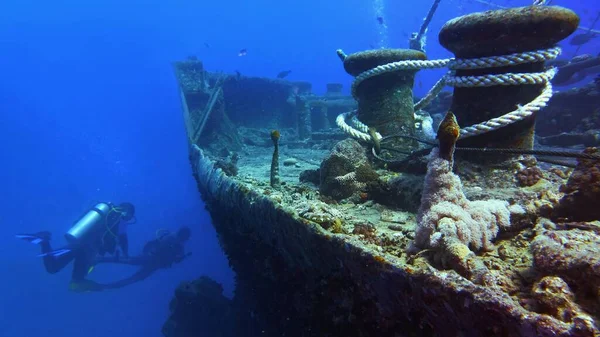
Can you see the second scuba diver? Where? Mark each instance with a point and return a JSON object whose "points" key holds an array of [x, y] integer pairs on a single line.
{"points": [[164, 251], [97, 233]]}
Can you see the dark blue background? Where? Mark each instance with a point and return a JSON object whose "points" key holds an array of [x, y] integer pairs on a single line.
{"points": [[90, 111]]}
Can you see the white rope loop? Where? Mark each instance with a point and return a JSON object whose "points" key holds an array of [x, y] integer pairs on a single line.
{"points": [[505, 60], [360, 130], [519, 114], [397, 66], [500, 79], [353, 132]]}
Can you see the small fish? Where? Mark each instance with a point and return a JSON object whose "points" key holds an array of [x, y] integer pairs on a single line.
{"points": [[380, 20], [243, 52], [206, 45], [581, 39], [283, 74], [581, 57], [238, 74]]}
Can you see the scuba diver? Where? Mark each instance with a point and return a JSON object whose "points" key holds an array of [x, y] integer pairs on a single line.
{"points": [[96, 233], [164, 251]]}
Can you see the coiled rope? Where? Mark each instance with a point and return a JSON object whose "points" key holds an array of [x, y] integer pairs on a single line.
{"points": [[360, 130]]}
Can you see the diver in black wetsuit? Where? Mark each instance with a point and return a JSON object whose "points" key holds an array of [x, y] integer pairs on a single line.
{"points": [[98, 232], [159, 253]]}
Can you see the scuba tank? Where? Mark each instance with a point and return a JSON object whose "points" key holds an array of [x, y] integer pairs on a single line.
{"points": [[90, 225]]}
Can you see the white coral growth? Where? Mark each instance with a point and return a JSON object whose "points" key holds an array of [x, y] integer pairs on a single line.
{"points": [[349, 179], [446, 212]]}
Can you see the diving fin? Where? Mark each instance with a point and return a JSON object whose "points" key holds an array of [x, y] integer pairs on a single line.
{"points": [[29, 238], [36, 238], [56, 253]]}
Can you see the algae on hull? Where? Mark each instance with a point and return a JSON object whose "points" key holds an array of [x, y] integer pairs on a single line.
{"points": [[360, 280]]}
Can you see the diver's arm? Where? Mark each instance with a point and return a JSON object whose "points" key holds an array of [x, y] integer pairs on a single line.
{"points": [[142, 274], [180, 255], [180, 258], [132, 260], [87, 285]]}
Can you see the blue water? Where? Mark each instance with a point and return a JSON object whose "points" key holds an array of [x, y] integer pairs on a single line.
{"points": [[90, 111]]}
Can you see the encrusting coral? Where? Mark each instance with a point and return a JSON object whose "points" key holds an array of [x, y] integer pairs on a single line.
{"points": [[582, 191], [274, 176], [445, 211], [346, 170], [447, 221], [529, 176]]}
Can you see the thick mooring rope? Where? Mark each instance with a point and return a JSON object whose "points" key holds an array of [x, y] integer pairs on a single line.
{"points": [[397, 66], [519, 114], [360, 130], [354, 132]]}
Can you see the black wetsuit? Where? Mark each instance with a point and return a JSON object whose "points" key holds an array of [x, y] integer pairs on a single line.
{"points": [[157, 254], [83, 256]]}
